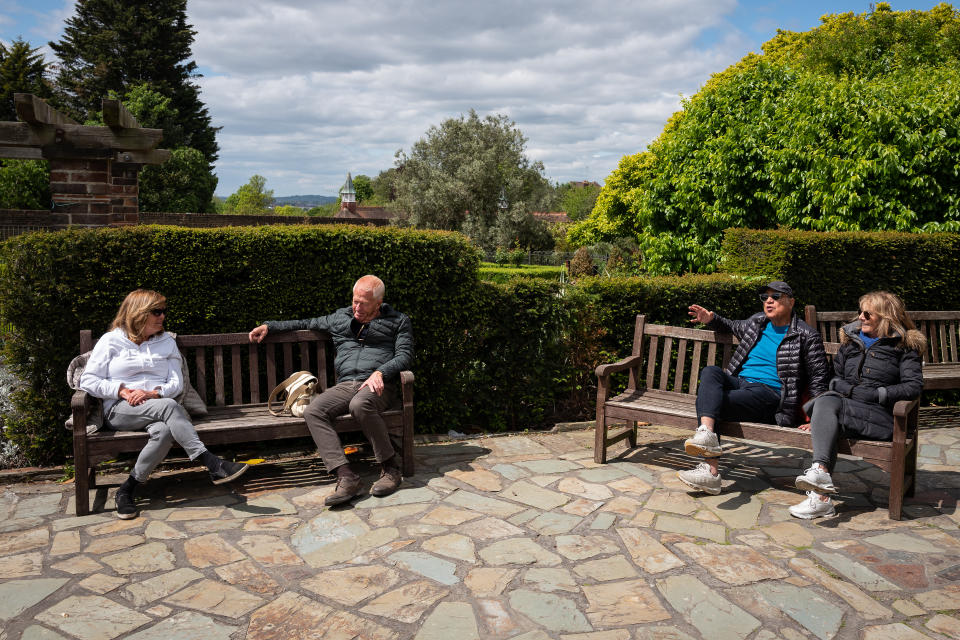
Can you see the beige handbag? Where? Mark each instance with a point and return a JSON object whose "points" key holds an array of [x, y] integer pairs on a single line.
{"points": [[295, 392]]}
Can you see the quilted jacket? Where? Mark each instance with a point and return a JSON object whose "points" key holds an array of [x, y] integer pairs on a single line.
{"points": [[386, 346], [801, 360]]}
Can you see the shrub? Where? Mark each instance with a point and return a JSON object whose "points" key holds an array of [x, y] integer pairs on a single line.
{"points": [[832, 270], [582, 264]]}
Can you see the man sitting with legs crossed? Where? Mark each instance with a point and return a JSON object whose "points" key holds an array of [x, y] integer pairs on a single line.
{"points": [[779, 355]]}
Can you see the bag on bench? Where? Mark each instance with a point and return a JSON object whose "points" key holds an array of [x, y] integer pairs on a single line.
{"points": [[295, 392]]}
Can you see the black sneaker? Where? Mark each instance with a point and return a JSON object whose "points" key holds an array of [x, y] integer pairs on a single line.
{"points": [[227, 471], [126, 505]]}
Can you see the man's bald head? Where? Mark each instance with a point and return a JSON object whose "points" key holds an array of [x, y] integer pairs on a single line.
{"points": [[367, 297], [370, 283]]}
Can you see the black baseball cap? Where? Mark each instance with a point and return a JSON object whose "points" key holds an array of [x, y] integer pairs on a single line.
{"points": [[778, 285]]}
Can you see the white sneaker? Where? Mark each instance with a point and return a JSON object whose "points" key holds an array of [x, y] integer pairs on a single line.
{"points": [[701, 479], [815, 479], [813, 507], [704, 443]]}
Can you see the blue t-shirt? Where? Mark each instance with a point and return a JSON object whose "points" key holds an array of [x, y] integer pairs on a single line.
{"points": [[761, 363], [867, 340]]}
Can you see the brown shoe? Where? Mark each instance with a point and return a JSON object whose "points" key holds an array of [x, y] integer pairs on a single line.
{"points": [[389, 481], [347, 488]]}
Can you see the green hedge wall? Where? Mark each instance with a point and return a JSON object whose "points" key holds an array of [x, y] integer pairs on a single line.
{"points": [[490, 356], [221, 280], [832, 270]]}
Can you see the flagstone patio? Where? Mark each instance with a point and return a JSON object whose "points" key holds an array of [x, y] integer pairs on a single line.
{"points": [[520, 537]]}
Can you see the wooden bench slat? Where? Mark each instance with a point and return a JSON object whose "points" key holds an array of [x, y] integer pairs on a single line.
{"points": [[271, 368], [254, 370], [652, 359], [681, 364], [695, 365], [236, 374], [218, 375], [665, 362], [200, 380]]}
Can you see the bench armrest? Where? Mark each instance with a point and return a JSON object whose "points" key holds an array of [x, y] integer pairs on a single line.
{"points": [[406, 387], [78, 407], [904, 418], [605, 370]]}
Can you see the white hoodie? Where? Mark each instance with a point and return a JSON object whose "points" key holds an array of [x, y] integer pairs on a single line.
{"points": [[116, 360]]}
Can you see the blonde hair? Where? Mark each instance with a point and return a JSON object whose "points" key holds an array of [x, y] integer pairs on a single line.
{"points": [[893, 318], [135, 310]]}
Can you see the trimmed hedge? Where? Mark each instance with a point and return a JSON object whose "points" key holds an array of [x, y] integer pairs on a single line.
{"points": [[832, 270], [495, 273], [221, 280]]}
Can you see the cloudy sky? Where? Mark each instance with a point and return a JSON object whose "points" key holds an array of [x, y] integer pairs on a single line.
{"points": [[306, 90]]}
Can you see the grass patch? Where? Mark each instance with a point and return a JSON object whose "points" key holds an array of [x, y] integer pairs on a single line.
{"points": [[495, 273]]}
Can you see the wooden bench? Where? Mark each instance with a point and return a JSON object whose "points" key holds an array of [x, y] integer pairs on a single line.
{"points": [[941, 362], [664, 370], [243, 374]]}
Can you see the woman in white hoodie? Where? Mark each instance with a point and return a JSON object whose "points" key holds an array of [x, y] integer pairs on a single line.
{"points": [[136, 369]]}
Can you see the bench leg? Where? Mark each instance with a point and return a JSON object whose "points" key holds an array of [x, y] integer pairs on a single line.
{"points": [[600, 441], [633, 434], [82, 479], [910, 472], [897, 473]]}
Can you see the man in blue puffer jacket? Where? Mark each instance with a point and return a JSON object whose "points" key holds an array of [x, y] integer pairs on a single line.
{"points": [[374, 343]]}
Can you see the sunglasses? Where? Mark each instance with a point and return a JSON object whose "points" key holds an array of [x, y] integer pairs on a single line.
{"points": [[159, 312], [775, 296], [866, 314]]}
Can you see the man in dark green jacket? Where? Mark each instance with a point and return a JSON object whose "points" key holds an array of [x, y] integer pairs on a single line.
{"points": [[374, 343]]}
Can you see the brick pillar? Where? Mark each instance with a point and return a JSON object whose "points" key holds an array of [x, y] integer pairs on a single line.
{"points": [[95, 192]]}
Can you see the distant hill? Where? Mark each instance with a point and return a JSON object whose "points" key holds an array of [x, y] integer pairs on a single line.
{"points": [[303, 201]]}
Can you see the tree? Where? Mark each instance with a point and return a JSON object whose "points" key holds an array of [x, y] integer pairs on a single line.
{"points": [[288, 210], [363, 187], [109, 45], [182, 184], [250, 199], [24, 184], [185, 182], [577, 201], [852, 126], [384, 187], [22, 70], [455, 175]]}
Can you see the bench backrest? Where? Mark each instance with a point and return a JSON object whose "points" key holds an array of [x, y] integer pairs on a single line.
{"points": [[674, 356], [242, 372], [942, 329]]}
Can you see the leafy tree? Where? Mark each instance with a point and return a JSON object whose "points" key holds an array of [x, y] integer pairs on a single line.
{"points": [[384, 189], [24, 184], [251, 198], [454, 176], [184, 183], [852, 126], [577, 201], [363, 186], [22, 70], [324, 210], [288, 210], [111, 45]]}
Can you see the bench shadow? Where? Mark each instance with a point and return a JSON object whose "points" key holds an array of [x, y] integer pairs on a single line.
{"points": [[937, 493]]}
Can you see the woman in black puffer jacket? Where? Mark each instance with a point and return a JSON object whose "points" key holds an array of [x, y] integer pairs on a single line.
{"points": [[879, 363]]}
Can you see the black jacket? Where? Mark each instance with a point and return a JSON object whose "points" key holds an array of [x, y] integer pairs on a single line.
{"points": [[891, 366], [801, 360], [387, 344]]}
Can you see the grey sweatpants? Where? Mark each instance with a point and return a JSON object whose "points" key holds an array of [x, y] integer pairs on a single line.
{"points": [[165, 421], [825, 430]]}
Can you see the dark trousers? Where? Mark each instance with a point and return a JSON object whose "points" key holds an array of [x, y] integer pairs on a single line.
{"points": [[364, 405], [725, 397]]}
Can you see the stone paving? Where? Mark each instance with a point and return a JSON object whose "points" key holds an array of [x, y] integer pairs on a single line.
{"points": [[520, 537]]}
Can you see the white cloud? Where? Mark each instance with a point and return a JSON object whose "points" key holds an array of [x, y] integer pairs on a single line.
{"points": [[307, 91]]}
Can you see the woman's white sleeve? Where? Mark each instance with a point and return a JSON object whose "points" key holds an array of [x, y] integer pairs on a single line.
{"points": [[94, 379]]}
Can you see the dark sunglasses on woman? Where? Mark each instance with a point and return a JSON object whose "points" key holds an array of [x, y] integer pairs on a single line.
{"points": [[159, 312]]}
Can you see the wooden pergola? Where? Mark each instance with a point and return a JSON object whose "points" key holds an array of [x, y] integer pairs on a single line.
{"points": [[93, 170]]}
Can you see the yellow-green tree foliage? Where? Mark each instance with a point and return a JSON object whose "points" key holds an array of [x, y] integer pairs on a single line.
{"points": [[854, 125]]}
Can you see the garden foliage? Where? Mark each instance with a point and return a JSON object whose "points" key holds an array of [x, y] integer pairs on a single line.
{"points": [[852, 126]]}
